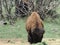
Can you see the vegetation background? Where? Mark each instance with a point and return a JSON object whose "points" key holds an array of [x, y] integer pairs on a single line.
{"points": [[13, 15]]}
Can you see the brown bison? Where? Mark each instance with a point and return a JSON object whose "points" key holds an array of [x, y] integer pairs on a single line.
{"points": [[35, 28]]}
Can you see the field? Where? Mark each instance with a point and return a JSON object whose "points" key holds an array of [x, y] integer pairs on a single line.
{"points": [[16, 34]]}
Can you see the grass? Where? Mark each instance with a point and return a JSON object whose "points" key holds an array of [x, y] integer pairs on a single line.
{"points": [[58, 9], [16, 31], [52, 30]]}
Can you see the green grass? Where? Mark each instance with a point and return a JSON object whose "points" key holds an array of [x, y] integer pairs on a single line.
{"points": [[16, 31], [52, 30], [58, 9]]}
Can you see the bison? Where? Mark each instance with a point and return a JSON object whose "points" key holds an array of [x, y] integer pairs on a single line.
{"points": [[35, 28]]}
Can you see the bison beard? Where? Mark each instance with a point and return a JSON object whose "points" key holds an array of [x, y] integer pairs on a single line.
{"points": [[35, 28]]}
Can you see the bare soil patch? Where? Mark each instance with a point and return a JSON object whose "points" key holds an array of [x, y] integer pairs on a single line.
{"points": [[48, 41], [51, 41], [13, 42]]}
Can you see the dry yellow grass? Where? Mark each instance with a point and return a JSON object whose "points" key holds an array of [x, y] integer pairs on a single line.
{"points": [[52, 41], [48, 41]]}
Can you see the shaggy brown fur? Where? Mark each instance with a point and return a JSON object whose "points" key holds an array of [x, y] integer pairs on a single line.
{"points": [[35, 28]]}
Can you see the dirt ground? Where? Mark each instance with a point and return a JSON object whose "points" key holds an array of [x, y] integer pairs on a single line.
{"points": [[48, 41], [13, 42], [51, 41]]}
